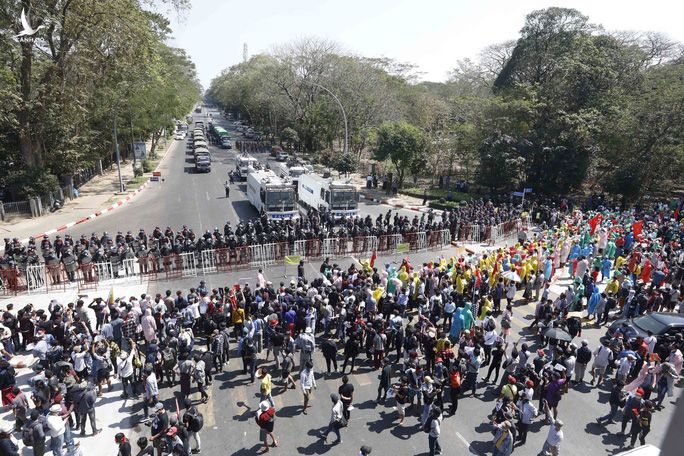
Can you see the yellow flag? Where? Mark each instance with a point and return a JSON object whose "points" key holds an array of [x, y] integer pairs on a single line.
{"points": [[110, 299], [292, 259], [403, 248]]}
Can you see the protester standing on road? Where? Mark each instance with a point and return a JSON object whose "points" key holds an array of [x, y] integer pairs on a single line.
{"points": [[227, 188], [433, 428], [193, 421], [346, 392], [55, 429], [337, 420], [502, 445], [307, 381], [555, 436], [265, 418], [329, 350]]}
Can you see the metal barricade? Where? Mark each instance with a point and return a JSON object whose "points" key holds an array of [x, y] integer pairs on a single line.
{"points": [[87, 277], [35, 277], [268, 254], [256, 255], [222, 259], [240, 257], [58, 277], [188, 264], [330, 247], [9, 282], [299, 248], [149, 267], [444, 237], [105, 271], [417, 241], [313, 249], [171, 267], [208, 261], [129, 268], [364, 245]]}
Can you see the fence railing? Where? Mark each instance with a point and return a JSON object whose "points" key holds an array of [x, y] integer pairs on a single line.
{"points": [[44, 278]]}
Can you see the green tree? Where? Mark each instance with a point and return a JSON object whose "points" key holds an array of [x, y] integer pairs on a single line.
{"points": [[401, 143]]}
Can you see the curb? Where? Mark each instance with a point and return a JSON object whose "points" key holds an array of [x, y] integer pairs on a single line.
{"points": [[396, 206], [97, 213], [89, 217]]}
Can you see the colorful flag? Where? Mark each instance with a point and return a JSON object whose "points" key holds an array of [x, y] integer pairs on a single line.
{"points": [[373, 258], [292, 259], [594, 222], [637, 228]]}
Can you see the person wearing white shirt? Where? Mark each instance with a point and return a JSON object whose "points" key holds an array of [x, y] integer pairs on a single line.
{"points": [[55, 429], [125, 366], [602, 356], [555, 435], [651, 341], [527, 414]]}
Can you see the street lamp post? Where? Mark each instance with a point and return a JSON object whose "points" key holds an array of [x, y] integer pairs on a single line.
{"points": [[344, 114], [116, 150]]}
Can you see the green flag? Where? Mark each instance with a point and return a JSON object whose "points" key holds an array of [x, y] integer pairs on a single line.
{"points": [[292, 259], [403, 248]]}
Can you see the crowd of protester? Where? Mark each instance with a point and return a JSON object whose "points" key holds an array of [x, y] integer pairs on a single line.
{"points": [[431, 330]]}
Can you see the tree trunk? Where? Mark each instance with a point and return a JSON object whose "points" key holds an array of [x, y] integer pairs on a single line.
{"points": [[29, 148]]}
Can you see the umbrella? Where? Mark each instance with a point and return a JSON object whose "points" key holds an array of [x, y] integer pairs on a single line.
{"points": [[557, 333], [511, 275]]}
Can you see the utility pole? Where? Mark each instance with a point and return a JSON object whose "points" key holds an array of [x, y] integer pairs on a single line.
{"points": [[344, 114], [116, 150], [244, 52]]}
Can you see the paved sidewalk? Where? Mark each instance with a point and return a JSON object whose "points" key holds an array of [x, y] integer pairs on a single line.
{"points": [[379, 196], [98, 195], [113, 414]]}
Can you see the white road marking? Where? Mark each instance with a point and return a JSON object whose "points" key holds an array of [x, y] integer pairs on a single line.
{"points": [[465, 442], [207, 196]]}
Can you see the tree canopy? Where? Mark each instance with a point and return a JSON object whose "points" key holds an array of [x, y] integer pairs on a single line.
{"points": [[92, 60], [565, 107]]}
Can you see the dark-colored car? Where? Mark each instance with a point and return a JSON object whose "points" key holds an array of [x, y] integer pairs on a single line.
{"points": [[202, 164], [659, 323]]}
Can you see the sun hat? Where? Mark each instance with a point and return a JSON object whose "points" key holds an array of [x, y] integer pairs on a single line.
{"points": [[263, 406]]}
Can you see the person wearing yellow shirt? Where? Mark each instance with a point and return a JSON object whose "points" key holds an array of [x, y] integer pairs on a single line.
{"points": [[612, 286]]}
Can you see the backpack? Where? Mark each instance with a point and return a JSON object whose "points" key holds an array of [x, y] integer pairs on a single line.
{"points": [[455, 379], [428, 425], [27, 436], [168, 360], [490, 324], [249, 351], [196, 421]]}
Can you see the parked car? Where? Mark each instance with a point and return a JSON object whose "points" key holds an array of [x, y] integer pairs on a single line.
{"points": [[180, 135], [202, 164], [659, 323], [282, 156]]}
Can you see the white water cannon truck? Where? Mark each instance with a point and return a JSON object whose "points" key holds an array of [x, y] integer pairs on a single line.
{"points": [[327, 195], [271, 195]]}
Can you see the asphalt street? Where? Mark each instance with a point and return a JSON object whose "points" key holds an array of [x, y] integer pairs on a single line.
{"points": [[229, 416], [188, 198], [198, 201]]}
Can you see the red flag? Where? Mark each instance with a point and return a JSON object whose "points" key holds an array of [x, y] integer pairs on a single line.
{"points": [[478, 282], [594, 222], [373, 258], [637, 228]]}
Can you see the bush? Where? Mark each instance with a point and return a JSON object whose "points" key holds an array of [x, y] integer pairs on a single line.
{"points": [[147, 166], [443, 204], [436, 194], [137, 172]]}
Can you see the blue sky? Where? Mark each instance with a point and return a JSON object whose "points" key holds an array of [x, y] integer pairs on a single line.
{"points": [[433, 34]]}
